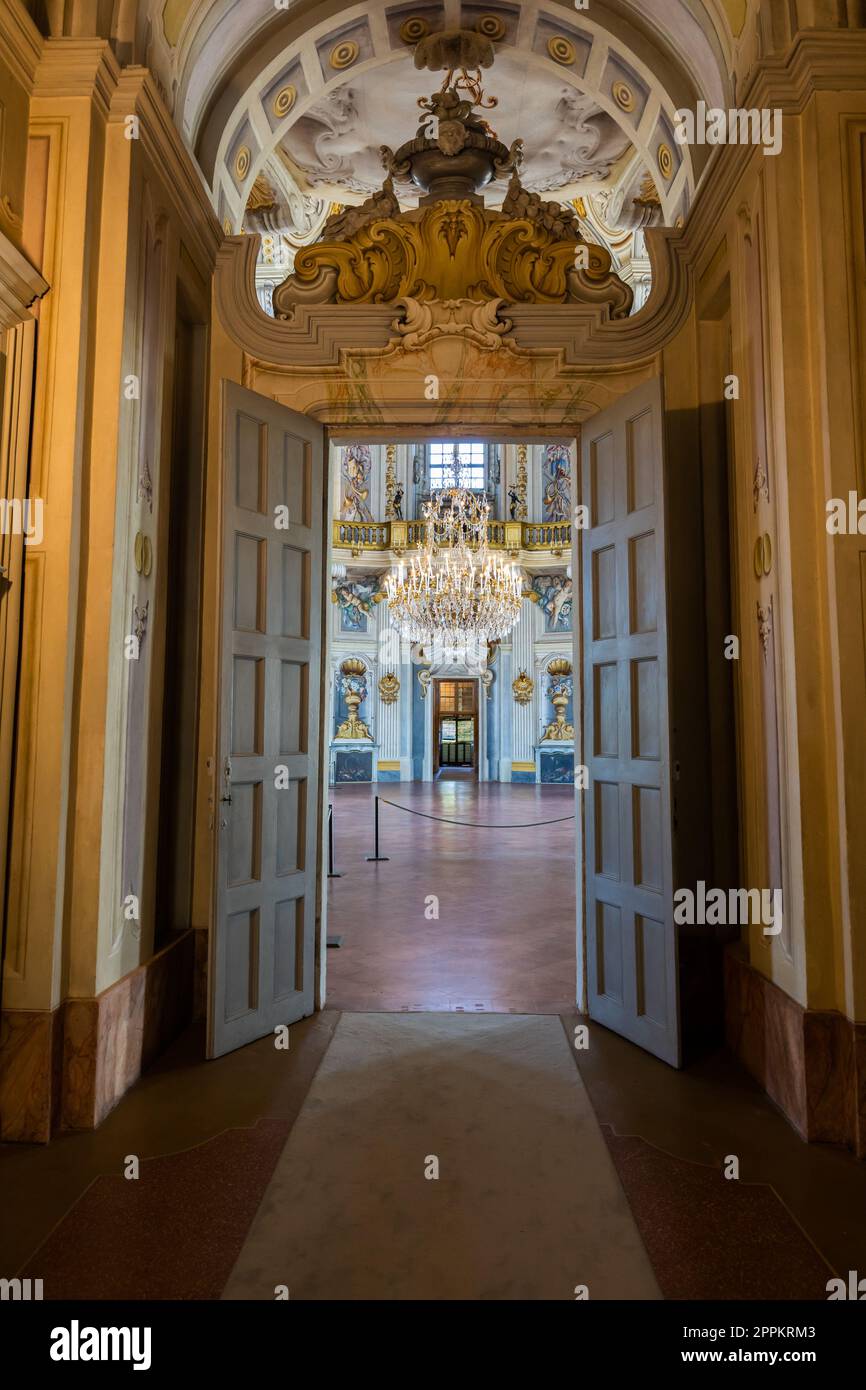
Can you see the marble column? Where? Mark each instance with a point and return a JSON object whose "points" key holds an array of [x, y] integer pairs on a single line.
{"points": [[523, 722], [506, 706], [392, 719]]}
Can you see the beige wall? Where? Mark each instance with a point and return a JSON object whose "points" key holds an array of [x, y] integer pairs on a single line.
{"points": [[112, 222], [786, 245]]}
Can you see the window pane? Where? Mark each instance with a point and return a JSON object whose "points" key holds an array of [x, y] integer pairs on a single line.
{"points": [[441, 458], [448, 731]]}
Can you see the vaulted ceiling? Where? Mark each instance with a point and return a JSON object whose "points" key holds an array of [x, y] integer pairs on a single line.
{"points": [[319, 86], [285, 103]]}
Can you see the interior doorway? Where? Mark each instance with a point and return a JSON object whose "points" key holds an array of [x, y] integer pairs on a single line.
{"points": [[474, 796], [606, 688], [455, 729]]}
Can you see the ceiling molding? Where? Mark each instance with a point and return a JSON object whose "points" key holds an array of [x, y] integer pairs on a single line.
{"points": [[20, 42], [20, 285], [136, 93]]}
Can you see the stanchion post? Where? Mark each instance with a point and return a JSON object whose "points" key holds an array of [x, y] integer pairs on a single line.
{"points": [[377, 857], [331, 873]]}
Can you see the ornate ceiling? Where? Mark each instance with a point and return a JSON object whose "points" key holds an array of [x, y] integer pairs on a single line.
{"points": [[286, 103], [570, 141]]}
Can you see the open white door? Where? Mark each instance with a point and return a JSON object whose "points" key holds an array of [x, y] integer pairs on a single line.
{"points": [[262, 952], [631, 942]]}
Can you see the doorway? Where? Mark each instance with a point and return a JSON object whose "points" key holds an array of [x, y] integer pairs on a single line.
{"points": [[474, 830], [455, 726], [611, 696]]}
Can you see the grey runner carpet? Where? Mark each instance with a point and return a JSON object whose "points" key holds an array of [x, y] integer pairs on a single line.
{"points": [[527, 1203]]}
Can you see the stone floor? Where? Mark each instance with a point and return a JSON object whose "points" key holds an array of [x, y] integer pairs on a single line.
{"points": [[210, 1135], [504, 938]]}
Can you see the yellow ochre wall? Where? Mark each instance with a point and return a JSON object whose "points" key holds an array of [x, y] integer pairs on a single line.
{"points": [[85, 1001]]}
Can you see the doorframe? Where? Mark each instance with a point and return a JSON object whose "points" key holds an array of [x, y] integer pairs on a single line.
{"points": [[337, 437], [476, 717], [343, 365]]}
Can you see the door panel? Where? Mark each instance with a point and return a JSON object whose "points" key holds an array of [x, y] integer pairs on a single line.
{"points": [[263, 945], [630, 933]]}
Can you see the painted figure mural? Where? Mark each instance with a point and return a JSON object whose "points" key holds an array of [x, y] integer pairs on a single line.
{"points": [[356, 598], [556, 482], [356, 469], [553, 594]]}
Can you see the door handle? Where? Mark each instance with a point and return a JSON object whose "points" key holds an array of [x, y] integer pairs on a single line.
{"points": [[226, 798]]}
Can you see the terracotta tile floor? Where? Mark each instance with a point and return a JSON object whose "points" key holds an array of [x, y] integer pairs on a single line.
{"points": [[504, 940]]}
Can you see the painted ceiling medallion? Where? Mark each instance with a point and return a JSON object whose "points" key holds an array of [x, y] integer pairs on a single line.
{"points": [[284, 100], [561, 49], [623, 96], [453, 248], [242, 162], [414, 28], [491, 26], [666, 161], [343, 54]]}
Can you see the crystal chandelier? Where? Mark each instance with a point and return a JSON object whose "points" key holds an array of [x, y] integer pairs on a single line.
{"points": [[455, 593]]}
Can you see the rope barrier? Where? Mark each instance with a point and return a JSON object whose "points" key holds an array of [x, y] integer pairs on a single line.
{"points": [[474, 824]]}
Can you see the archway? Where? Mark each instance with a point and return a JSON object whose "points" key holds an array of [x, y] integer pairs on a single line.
{"points": [[462, 317]]}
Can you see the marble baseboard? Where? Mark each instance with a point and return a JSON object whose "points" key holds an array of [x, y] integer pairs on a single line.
{"points": [[31, 1057], [199, 1007], [811, 1063], [66, 1069], [108, 1041]]}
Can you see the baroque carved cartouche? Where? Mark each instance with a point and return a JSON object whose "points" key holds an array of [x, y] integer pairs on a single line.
{"points": [[451, 247]]}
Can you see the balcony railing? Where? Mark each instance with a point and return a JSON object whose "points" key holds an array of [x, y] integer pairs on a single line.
{"points": [[358, 536]]}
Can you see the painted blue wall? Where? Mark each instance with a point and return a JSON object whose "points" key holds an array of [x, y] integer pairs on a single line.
{"points": [[418, 710]]}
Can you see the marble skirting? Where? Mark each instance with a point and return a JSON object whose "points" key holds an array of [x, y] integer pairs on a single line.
{"points": [[199, 1006], [812, 1063], [31, 1067], [66, 1069]]}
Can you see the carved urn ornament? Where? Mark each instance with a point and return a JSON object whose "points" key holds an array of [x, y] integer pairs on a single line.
{"points": [[353, 684], [452, 252], [559, 693]]}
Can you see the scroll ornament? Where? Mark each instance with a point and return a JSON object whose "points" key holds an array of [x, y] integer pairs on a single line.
{"points": [[389, 688]]}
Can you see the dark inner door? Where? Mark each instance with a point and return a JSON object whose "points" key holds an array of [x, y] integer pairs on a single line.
{"points": [[456, 725]]}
